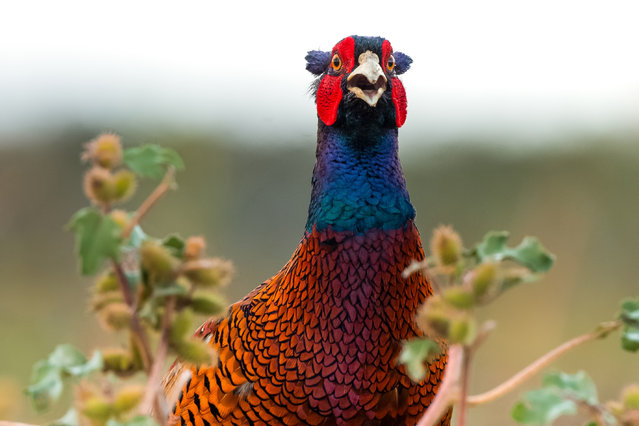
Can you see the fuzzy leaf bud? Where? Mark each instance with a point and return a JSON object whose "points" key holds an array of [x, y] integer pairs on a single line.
{"points": [[459, 297], [446, 246], [483, 279], [208, 272], [96, 407]]}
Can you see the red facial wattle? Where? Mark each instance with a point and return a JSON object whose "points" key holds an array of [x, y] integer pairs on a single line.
{"points": [[398, 93], [399, 100], [329, 92]]}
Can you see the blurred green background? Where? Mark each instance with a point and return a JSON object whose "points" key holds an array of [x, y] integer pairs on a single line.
{"points": [[580, 196]]}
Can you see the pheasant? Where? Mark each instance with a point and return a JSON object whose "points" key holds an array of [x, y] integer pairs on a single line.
{"points": [[318, 342]]}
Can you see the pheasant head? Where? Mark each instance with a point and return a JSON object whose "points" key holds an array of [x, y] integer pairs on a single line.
{"points": [[358, 80]]}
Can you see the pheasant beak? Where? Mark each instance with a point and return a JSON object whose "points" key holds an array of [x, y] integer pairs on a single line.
{"points": [[367, 81]]}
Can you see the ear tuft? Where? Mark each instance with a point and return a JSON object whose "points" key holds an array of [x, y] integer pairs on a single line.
{"points": [[402, 62], [317, 61]]}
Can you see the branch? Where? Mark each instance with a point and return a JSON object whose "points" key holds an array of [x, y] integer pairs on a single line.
{"points": [[540, 363], [151, 401], [158, 192], [138, 332], [448, 392]]}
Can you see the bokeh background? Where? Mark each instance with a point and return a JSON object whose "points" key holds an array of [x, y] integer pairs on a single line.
{"points": [[523, 116]]}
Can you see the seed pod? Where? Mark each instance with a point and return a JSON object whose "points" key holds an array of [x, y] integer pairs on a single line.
{"points": [[630, 397], [484, 279], [100, 300], [105, 283], [105, 151], [463, 329], [208, 272], [158, 262], [208, 304], [124, 185], [195, 351], [459, 297], [195, 247], [128, 398], [181, 326], [434, 317], [99, 186], [119, 361], [446, 246], [115, 316], [96, 407]]}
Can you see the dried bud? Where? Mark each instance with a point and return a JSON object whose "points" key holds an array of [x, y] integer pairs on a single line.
{"points": [[195, 247], [99, 186], [105, 151], [115, 316], [97, 408], [446, 246], [208, 272], [124, 185], [459, 297], [158, 262], [208, 304], [483, 279], [128, 398]]}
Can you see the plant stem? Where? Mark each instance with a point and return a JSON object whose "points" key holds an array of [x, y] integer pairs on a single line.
{"points": [[138, 332], [152, 395], [158, 192], [465, 374], [448, 392], [532, 369]]}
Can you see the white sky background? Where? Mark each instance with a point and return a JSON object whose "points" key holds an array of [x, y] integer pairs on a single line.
{"points": [[530, 69]]}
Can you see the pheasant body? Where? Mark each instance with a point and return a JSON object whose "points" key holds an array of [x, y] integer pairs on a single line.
{"points": [[318, 342]]}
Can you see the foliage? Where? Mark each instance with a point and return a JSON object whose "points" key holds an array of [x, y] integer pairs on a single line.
{"points": [[149, 291]]}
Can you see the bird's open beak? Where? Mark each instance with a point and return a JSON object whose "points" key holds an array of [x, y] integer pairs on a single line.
{"points": [[367, 81]]}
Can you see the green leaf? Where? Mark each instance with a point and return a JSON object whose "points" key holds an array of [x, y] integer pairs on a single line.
{"points": [[69, 419], [175, 244], [98, 237], [578, 385], [529, 252], [135, 421], [48, 373], [630, 312], [630, 339], [151, 160], [542, 406], [47, 385], [415, 352], [137, 237], [81, 370]]}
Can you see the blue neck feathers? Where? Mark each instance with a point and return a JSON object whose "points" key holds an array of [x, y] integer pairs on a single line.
{"points": [[358, 183]]}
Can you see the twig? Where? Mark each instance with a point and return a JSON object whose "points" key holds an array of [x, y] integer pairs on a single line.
{"points": [[448, 392], [151, 401], [465, 375], [158, 192], [138, 332], [540, 363]]}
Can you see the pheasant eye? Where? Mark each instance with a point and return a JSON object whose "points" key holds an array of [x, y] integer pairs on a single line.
{"points": [[390, 64], [336, 63]]}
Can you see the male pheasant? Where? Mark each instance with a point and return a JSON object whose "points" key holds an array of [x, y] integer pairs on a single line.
{"points": [[318, 343]]}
